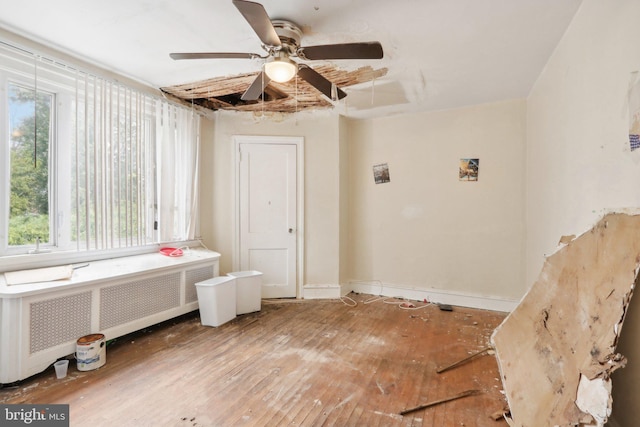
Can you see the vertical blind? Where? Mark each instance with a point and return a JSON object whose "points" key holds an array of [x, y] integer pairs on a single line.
{"points": [[125, 164], [114, 196], [178, 171]]}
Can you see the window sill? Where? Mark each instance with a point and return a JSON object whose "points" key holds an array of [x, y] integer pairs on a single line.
{"points": [[54, 258]]}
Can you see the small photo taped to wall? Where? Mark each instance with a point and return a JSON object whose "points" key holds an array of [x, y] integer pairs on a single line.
{"points": [[381, 173], [469, 169]]}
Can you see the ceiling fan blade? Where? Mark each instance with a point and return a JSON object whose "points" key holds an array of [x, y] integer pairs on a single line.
{"points": [[257, 88], [214, 55], [257, 17], [316, 80], [364, 50]]}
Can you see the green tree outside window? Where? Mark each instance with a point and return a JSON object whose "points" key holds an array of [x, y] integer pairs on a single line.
{"points": [[30, 138]]}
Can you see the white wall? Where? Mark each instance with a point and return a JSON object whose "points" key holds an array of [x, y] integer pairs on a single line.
{"points": [[578, 161], [426, 229], [322, 186]]}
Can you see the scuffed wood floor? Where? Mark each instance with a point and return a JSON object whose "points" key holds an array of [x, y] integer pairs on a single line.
{"points": [[295, 363]]}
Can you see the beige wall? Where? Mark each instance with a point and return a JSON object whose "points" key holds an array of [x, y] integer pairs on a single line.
{"points": [[423, 230], [322, 186], [578, 161], [344, 165], [207, 223], [426, 229]]}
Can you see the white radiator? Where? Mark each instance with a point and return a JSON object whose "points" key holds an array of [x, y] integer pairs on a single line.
{"points": [[42, 322]]}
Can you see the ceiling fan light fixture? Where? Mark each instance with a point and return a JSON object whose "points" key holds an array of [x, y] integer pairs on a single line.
{"points": [[280, 68]]}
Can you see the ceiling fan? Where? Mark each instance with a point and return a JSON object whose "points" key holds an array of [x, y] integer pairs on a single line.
{"points": [[281, 40]]}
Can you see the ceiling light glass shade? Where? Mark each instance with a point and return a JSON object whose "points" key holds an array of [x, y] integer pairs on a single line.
{"points": [[280, 69]]}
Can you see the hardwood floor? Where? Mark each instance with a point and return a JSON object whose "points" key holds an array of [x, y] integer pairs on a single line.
{"points": [[294, 363]]}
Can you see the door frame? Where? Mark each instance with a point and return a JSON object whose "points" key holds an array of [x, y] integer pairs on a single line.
{"points": [[298, 141]]}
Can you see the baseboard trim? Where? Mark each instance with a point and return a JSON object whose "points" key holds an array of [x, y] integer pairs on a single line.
{"points": [[433, 295], [461, 299], [332, 291]]}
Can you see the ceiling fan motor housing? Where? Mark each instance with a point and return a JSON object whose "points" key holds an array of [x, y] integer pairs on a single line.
{"points": [[289, 34]]}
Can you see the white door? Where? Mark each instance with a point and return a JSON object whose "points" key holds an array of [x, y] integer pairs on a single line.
{"points": [[267, 217]]}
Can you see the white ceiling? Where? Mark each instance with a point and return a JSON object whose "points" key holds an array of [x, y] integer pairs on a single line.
{"points": [[439, 53]]}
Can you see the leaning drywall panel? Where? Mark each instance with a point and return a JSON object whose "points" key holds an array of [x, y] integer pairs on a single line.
{"points": [[563, 334]]}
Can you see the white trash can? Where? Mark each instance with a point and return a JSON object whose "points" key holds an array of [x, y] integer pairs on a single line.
{"points": [[248, 291], [217, 300]]}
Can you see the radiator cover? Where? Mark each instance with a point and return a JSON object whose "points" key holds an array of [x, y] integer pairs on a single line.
{"points": [[44, 324], [59, 320]]}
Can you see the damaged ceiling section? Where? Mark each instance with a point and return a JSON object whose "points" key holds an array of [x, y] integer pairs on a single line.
{"points": [[224, 93], [557, 349]]}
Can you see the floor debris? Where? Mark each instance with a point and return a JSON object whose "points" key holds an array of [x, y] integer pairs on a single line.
{"points": [[463, 361], [498, 415], [438, 402]]}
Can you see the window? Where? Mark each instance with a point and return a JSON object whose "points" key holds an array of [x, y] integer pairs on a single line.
{"points": [[90, 164], [30, 140]]}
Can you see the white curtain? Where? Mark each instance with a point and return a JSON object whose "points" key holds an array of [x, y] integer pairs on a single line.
{"points": [[177, 142]]}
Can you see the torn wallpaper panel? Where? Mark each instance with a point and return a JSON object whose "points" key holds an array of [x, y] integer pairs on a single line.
{"points": [[556, 350]]}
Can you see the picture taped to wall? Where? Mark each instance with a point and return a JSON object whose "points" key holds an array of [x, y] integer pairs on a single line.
{"points": [[634, 112], [469, 169], [381, 173]]}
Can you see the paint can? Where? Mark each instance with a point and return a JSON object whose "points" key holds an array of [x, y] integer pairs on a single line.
{"points": [[91, 352]]}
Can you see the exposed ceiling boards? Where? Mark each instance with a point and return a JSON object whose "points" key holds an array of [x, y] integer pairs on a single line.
{"points": [[295, 95], [439, 53]]}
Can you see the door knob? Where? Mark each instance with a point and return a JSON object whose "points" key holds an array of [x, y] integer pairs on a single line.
{"points": [[290, 230]]}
